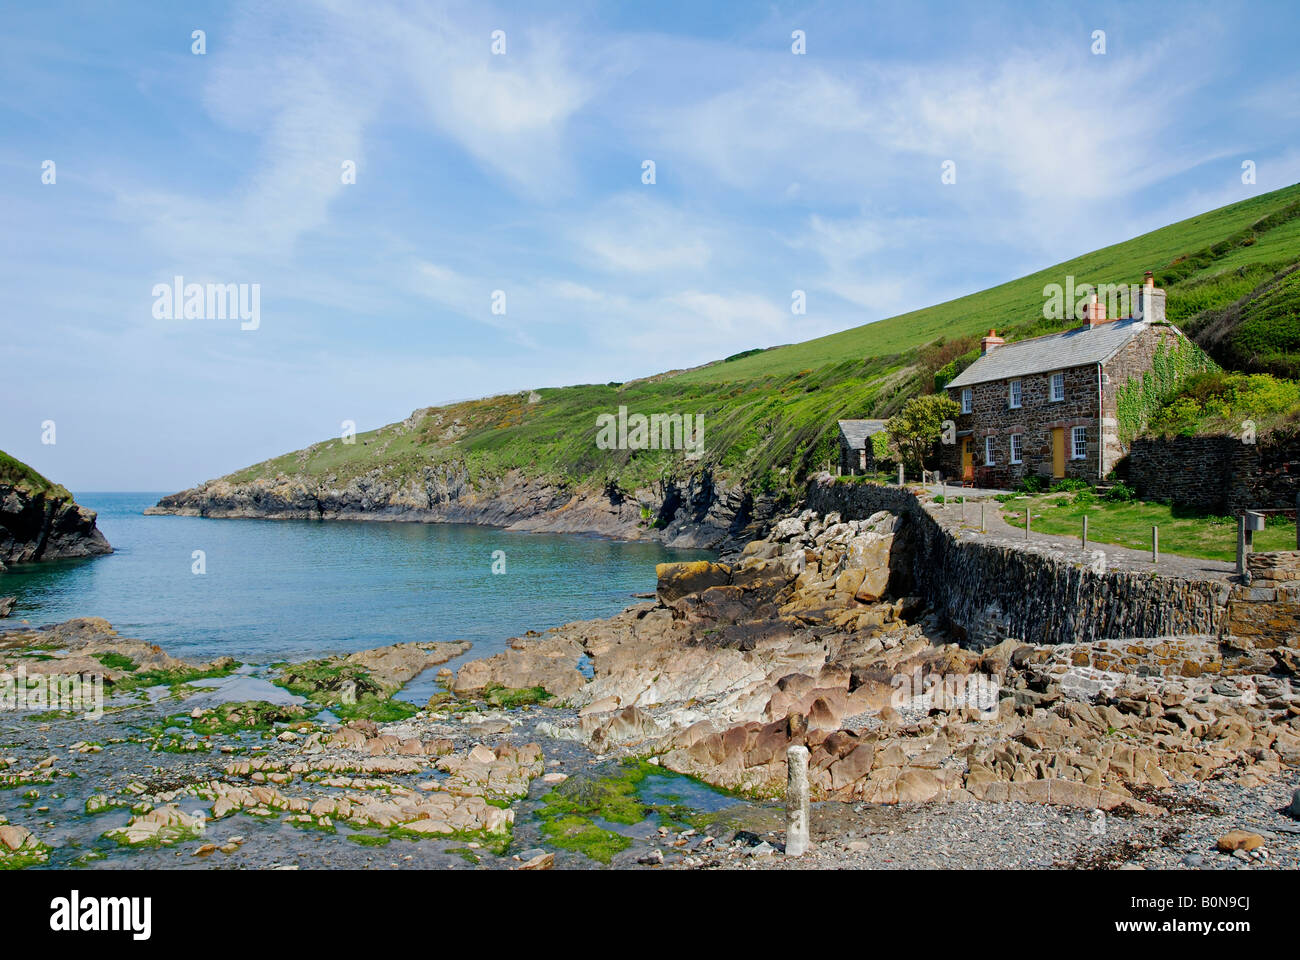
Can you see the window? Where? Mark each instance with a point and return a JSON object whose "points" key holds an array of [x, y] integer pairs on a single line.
{"points": [[1013, 395], [1015, 448], [1078, 443], [988, 451], [965, 400], [1058, 386]]}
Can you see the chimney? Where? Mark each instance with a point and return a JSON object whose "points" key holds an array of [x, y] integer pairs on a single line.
{"points": [[1094, 314], [1151, 301], [990, 343]]}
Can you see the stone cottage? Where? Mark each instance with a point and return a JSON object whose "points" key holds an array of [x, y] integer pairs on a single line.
{"points": [[855, 445], [1047, 406]]}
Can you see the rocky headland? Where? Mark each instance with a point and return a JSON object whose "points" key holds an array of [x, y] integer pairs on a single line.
{"points": [[694, 512], [41, 521]]}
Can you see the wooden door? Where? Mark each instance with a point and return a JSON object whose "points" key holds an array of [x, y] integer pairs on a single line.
{"points": [[1058, 452], [967, 466]]}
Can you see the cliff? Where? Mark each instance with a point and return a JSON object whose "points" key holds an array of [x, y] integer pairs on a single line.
{"points": [[39, 520]]}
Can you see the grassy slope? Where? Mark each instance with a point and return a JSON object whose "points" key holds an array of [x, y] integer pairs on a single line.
{"points": [[14, 473], [776, 409]]}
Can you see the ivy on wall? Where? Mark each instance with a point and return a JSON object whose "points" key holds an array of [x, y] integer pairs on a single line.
{"points": [[1140, 397]]}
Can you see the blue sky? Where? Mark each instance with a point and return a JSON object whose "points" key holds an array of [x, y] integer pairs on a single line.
{"points": [[523, 173]]}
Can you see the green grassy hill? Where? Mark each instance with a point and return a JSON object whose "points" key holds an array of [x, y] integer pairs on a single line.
{"points": [[15, 473], [770, 415]]}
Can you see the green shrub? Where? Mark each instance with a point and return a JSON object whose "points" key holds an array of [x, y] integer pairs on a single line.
{"points": [[1031, 484], [1219, 402], [1120, 493]]}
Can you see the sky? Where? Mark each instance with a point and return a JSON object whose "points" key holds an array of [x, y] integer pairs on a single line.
{"points": [[496, 232]]}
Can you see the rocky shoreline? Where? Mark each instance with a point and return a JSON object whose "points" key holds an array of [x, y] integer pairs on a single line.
{"points": [[657, 738], [694, 512]]}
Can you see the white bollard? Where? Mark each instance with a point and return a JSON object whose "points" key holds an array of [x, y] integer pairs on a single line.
{"points": [[796, 801]]}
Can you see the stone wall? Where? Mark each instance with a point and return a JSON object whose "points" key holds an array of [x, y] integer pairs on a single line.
{"points": [[1265, 614], [1217, 473], [991, 589]]}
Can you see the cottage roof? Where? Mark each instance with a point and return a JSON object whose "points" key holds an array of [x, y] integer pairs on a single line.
{"points": [[1077, 347], [855, 432]]}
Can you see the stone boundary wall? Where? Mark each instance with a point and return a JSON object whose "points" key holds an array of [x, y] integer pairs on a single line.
{"points": [[1216, 472], [992, 589]]}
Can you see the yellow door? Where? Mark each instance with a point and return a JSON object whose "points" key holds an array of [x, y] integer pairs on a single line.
{"points": [[1058, 452], [967, 471]]}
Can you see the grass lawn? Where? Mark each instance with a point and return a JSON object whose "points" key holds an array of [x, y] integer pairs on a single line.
{"points": [[1129, 525]]}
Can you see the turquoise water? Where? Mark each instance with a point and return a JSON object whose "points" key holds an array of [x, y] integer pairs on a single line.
{"points": [[292, 589]]}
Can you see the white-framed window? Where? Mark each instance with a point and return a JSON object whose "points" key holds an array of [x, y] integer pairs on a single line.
{"points": [[1015, 448], [966, 400], [1078, 443], [1058, 387], [1013, 394], [988, 451]]}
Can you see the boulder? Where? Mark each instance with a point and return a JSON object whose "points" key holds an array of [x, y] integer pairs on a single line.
{"points": [[1239, 840], [677, 580]]}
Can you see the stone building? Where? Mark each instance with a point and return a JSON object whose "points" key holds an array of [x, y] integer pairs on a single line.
{"points": [[855, 445], [1047, 406]]}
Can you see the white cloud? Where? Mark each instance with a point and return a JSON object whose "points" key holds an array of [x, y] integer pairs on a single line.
{"points": [[632, 234]]}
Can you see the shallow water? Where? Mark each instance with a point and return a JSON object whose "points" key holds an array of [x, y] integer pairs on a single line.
{"points": [[293, 589]]}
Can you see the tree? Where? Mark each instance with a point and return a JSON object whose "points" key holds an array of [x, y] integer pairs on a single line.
{"points": [[915, 428], [880, 447]]}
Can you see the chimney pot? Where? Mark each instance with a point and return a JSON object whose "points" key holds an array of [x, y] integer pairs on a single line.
{"points": [[1095, 312], [991, 342], [1151, 301]]}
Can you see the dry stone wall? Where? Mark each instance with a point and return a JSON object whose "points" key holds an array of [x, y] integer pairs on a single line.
{"points": [[1218, 473]]}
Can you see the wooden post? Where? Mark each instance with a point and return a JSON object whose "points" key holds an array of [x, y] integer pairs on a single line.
{"points": [[1241, 545], [1155, 544], [1297, 521], [963, 508], [900, 474], [981, 516], [1026, 523], [796, 801], [1084, 538]]}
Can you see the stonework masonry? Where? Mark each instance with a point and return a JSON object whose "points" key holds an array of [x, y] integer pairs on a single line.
{"points": [[1216, 473]]}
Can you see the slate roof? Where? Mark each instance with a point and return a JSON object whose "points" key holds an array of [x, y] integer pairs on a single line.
{"points": [[1077, 347], [855, 432]]}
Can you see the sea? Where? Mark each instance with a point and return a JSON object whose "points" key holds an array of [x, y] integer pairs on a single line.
{"points": [[265, 591]]}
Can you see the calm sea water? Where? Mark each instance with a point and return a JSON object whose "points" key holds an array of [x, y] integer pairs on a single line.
{"points": [[291, 589]]}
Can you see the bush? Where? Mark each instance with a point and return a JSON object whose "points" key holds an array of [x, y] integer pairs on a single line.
{"points": [[1031, 484], [1071, 483], [1120, 493], [1220, 402]]}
